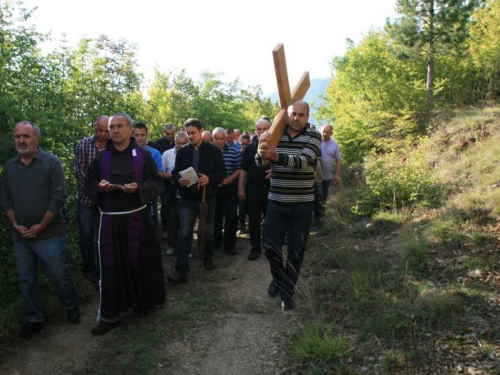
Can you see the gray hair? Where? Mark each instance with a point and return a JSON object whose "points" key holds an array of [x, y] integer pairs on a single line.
{"points": [[263, 120], [218, 130], [169, 127], [101, 118], [130, 122], [181, 135], [35, 127]]}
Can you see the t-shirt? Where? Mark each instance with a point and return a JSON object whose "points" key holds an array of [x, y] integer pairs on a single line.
{"points": [[329, 152]]}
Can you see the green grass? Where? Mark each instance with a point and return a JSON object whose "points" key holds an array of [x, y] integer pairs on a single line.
{"points": [[317, 343], [195, 307], [414, 250]]}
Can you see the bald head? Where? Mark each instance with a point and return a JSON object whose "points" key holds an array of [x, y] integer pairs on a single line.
{"points": [[101, 129], [327, 132]]}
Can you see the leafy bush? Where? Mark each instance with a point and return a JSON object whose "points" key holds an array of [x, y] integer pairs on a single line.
{"points": [[395, 182]]}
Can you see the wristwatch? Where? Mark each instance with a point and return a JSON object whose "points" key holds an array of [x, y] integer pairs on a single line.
{"points": [[15, 225]]}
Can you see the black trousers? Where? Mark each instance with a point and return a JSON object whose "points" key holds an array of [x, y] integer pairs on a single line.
{"points": [[226, 217], [257, 204]]}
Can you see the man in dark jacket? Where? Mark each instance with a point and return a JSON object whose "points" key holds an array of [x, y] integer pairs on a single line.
{"points": [[206, 160]]}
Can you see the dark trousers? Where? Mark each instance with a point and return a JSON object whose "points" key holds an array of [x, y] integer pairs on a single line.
{"points": [[188, 211], [325, 185], [169, 192], [242, 212], [257, 203], [296, 219], [87, 222], [226, 217], [170, 216], [319, 203]]}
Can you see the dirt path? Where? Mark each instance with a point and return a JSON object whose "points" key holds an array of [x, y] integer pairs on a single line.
{"points": [[221, 322]]}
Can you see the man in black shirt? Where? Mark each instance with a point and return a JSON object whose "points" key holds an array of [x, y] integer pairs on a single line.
{"points": [[167, 142], [206, 159], [254, 186]]}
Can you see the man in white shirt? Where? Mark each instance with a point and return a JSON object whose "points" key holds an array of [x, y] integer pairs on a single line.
{"points": [[168, 161], [330, 152]]}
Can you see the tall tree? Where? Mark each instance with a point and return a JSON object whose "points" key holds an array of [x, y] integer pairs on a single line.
{"points": [[432, 26]]}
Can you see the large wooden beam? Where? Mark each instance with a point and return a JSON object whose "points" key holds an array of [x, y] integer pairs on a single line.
{"points": [[280, 121], [282, 75]]}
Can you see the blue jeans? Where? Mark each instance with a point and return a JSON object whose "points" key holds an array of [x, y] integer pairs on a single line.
{"points": [[294, 218], [188, 211], [87, 222], [52, 255]]}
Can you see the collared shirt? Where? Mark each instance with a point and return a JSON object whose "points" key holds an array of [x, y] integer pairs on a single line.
{"points": [[292, 176], [232, 159], [86, 151], [32, 190], [156, 157], [168, 160], [329, 152]]}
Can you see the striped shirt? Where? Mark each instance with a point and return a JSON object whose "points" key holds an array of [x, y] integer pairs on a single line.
{"points": [[292, 176], [86, 151], [232, 159]]}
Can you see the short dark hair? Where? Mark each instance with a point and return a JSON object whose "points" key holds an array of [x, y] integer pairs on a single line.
{"points": [[141, 125], [229, 131], [303, 102], [245, 136], [193, 122]]}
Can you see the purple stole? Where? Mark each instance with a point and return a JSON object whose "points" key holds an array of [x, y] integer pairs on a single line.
{"points": [[135, 217]]}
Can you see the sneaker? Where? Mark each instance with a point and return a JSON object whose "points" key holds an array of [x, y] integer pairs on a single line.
{"points": [[30, 329], [274, 289], [73, 315], [170, 250], [209, 265], [104, 327], [177, 278], [287, 304]]}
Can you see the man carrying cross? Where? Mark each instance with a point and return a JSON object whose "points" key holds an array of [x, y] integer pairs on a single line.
{"points": [[291, 199], [292, 148]]}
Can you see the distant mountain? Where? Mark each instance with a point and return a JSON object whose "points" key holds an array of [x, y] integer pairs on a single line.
{"points": [[318, 87]]}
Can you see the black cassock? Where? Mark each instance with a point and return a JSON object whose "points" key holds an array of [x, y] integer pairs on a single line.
{"points": [[129, 251]]}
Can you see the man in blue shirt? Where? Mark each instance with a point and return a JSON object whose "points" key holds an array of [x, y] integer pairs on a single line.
{"points": [[226, 206], [140, 134]]}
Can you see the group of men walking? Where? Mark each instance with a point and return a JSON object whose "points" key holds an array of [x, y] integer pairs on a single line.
{"points": [[121, 175]]}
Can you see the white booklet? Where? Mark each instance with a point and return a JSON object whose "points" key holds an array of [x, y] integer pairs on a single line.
{"points": [[190, 174]]}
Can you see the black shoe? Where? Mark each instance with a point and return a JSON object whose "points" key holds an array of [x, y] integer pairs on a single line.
{"points": [[73, 315], [104, 327], [30, 329], [287, 304], [209, 265], [253, 256], [274, 289], [177, 278]]}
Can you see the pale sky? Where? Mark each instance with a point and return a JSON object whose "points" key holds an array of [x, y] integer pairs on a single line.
{"points": [[232, 37]]}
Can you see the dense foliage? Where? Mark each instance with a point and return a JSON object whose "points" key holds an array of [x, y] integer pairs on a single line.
{"points": [[65, 90], [378, 98]]}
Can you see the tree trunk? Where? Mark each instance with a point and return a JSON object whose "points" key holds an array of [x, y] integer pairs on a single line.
{"points": [[430, 65]]}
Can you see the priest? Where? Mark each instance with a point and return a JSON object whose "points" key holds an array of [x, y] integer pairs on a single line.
{"points": [[122, 180]]}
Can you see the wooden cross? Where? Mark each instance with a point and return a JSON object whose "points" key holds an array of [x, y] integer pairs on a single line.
{"points": [[280, 121]]}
